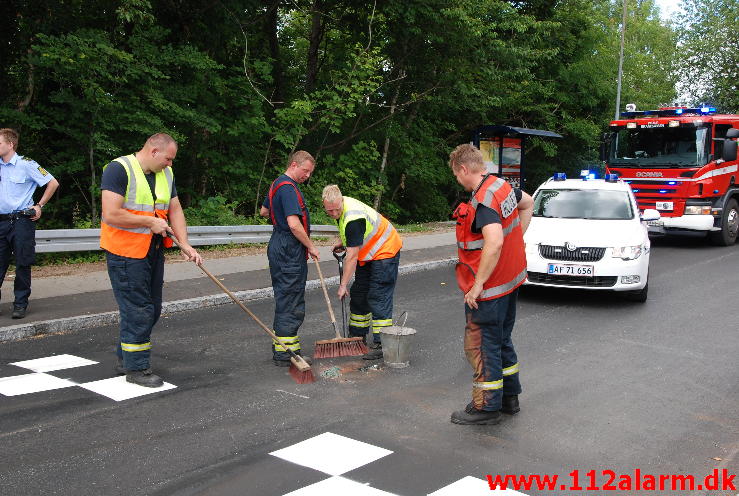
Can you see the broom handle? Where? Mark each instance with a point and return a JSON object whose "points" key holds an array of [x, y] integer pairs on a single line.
{"points": [[328, 301], [236, 300]]}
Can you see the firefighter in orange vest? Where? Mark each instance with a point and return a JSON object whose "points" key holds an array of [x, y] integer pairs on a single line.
{"points": [[492, 265], [140, 203], [372, 242]]}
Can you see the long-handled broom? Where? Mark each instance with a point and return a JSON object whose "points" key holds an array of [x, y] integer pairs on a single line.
{"points": [[338, 346], [299, 369]]}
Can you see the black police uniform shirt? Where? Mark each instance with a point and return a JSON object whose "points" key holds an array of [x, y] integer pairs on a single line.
{"points": [[285, 202]]}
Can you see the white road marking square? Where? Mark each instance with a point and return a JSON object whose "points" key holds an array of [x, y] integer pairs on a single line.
{"points": [[32, 383], [338, 485], [471, 486], [118, 389], [331, 454], [56, 362]]}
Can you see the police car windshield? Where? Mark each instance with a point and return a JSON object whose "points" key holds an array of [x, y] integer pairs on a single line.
{"points": [[659, 147], [583, 204]]}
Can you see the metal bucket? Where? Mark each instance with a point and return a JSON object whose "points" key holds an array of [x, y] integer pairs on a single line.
{"points": [[396, 344]]}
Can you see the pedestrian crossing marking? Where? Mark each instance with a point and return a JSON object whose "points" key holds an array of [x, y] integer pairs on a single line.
{"points": [[52, 363], [335, 455], [331, 453], [115, 388], [32, 383], [472, 486], [338, 485]]}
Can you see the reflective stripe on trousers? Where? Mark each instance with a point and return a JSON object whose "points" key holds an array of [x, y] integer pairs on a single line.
{"points": [[490, 351], [360, 320], [289, 271], [371, 296], [137, 286], [287, 343]]}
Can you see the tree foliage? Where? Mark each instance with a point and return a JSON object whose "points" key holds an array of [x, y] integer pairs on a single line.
{"points": [[379, 92], [710, 53]]}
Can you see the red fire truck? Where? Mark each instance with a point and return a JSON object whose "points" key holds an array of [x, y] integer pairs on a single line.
{"points": [[683, 162]]}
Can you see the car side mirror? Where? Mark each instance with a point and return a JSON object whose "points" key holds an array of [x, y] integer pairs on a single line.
{"points": [[650, 214]]}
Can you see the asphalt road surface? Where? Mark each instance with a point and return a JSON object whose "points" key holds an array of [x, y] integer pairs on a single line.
{"points": [[608, 385]]}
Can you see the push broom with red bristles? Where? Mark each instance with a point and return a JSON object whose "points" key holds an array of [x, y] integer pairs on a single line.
{"points": [[338, 346], [299, 370]]}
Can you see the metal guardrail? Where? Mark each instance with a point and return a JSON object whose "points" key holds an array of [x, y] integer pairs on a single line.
{"points": [[60, 240]]}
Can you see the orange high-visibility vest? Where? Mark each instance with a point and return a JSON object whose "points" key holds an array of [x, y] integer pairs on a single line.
{"points": [[133, 242], [510, 271], [381, 239]]}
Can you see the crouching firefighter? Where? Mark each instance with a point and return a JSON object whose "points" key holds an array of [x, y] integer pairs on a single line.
{"points": [[288, 251], [139, 199], [372, 255], [492, 265]]}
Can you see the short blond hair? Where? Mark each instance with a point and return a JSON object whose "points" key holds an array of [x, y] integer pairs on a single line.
{"points": [[468, 155], [332, 194], [11, 136], [299, 157], [160, 141]]}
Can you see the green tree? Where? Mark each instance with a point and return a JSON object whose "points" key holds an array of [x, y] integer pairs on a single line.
{"points": [[709, 53]]}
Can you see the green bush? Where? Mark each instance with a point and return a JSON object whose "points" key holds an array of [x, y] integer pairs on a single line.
{"points": [[218, 211]]}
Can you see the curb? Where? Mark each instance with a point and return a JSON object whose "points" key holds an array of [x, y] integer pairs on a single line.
{"points": [[69, 324]]}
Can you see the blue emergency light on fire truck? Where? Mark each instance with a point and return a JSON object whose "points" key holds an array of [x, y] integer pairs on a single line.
{"points": [[682, 162]]}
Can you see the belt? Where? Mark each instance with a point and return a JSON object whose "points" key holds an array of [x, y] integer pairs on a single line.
{"points": [[12, 216]]}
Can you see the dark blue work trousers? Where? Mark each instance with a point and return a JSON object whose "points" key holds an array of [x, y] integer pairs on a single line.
{"points": [[137, 286], [288, 268], [18, 237], [371, 296], [489, 349]]}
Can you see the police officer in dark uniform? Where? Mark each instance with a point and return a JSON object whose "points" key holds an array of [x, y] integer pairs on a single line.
{"points": [[288, 251], [19, 178]]}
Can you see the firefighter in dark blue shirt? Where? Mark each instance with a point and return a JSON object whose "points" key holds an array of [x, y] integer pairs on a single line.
{"points": [[288, 252]]}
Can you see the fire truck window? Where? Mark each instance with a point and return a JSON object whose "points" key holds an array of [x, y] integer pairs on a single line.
{"points": [[660, 147], [720, 134]]}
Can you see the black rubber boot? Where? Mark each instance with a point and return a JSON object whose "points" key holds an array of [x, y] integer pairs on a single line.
{"points": [[510, 405], [119, 368], [373, 354], [19, 312], [472, 416], [144, 378]]}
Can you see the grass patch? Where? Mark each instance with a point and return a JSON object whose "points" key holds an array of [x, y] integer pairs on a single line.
{"points": [[414, 228]]}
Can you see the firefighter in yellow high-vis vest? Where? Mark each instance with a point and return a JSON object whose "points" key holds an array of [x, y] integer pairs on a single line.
{"points": [[140, 205], [372, 257]]}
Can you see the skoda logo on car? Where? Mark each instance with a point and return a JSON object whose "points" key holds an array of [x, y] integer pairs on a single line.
{"points": [[570, 246]]}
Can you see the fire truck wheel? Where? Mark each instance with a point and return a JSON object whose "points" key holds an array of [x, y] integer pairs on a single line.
{"points": [[729, 226], [639, 295]]}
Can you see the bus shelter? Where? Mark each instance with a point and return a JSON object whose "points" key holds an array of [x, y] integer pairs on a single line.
{"points": [[503, 150]]}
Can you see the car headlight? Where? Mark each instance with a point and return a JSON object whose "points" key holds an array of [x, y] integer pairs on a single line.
{"points": [[627, 252], [697, 210]]}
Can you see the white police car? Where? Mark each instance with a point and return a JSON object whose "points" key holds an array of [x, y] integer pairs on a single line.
{"points": [[588, 234]]}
